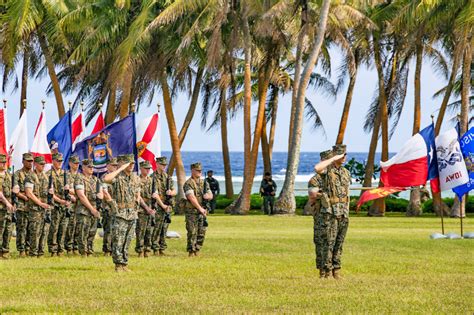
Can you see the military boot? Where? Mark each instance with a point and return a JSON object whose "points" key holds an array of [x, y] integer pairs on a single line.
{"points": [[196, 253], [118, 268], [336, 273], [141, 255], [162, 253], [125, 268], [6, 255], [145, 254], [191, 254], [53, 254], [22, 254], [327, 274], [321, 274], [59, 254]]}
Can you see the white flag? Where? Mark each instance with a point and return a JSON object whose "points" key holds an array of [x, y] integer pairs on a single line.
{"points": [[451, 166], [19, 142], [40, 145]]}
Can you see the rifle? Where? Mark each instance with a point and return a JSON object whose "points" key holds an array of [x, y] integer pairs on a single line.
{"points": [[47, 214], [67, 197], [168, 199], [14, 196], [153, 200], [205, 203]]}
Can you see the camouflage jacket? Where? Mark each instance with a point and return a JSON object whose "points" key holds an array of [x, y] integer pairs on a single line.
{"points": [[20, 177], [126, 189], [316, 183], [5, 187], [162, 180], [89, 186], [195, 187], [145, 191], [58, 183], [110, 190], [39, 183], [336, 183]]}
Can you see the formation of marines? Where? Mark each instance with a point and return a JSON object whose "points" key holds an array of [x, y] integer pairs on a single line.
{"points": [[328, 193], [59, 211]]}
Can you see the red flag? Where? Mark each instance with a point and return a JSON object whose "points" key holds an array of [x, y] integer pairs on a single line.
{"points": [[99, 123], [377, 193], [3, 136], [77, 130]]}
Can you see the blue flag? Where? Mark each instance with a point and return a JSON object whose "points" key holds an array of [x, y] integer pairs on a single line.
{"points": [[467, 149], [61, 134], [115, 139]]}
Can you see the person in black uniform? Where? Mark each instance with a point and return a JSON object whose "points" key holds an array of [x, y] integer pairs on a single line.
{"points": [[215, 189]]}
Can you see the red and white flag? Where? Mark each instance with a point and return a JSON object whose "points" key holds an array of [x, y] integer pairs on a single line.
{"points": [[40, 145], [19, 142], [148, 137], [99, 123], [77, 130], [3, 132]]}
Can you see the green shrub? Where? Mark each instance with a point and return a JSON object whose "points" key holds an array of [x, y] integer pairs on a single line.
{"points": [[428, 205]]}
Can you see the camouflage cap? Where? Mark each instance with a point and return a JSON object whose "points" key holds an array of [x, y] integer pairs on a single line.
{"points": [[339, 149], [87, 162], [74, 159], [28, 157], [40, 160], [324, 155], [129, 158], [121, 158], [57, 157], [162, 160], [145, 164], [3, 158], [112, 161], [196, 166]]}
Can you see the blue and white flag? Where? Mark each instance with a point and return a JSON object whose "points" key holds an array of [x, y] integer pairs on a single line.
{"points": [[61, 134], [115, 139], [467, 149]]}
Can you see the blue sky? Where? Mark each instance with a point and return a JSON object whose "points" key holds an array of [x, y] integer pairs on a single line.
{"points": [[329, 109]]}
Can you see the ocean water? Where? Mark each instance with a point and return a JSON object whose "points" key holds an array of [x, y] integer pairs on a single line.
{"points": [[213, 161]]}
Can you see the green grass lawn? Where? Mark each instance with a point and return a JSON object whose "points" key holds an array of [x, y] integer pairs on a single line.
{"points": [[260, 264]]}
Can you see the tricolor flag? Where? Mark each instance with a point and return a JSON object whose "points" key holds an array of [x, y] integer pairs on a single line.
{"points": [[148, 136], [19, 142], [412, 166], [3, 132], [40, 145], [99, 123], [77, 130]]}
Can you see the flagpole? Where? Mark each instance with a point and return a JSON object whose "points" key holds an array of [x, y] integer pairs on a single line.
{"points": [[441, 208], [462, 203]]}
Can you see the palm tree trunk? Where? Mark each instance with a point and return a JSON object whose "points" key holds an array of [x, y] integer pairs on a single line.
{"points": [[180, 174], [126, 95], [52, 74], [369, 166], [286, 201], [24, 76], [267, 161], [274, 107], [229, 186], [110, 112], [347, 106], [189, 115], [414, 206]]}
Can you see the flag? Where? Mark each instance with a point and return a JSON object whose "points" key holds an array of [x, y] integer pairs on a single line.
{"points": [[77, 130], [61, 134], [40, 145], [467, 149], [19, 142], [115, 139], [99, 123], [3, 133], [414, 164], [148, 134], [451, 166], [377, 193]]}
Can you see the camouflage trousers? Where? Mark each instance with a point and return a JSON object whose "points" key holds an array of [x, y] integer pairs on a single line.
{"points": [[196, 230], [38, 231], [57, 231], [333, 233], [70, 240], [122, 233], [22, 231], [317, 239], [268, 203], [6, 227], [84, 225], [143, 232], [92, 234], [107, 228], [158, 238]]}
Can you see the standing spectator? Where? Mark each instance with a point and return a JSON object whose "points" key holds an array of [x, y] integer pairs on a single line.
{"points": [[267, 191]]}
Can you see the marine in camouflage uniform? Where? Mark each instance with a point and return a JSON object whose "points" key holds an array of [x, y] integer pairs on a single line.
{"points": [[86, 191], [6, 208], [126, 191], [59, 219], [194, 189], [107, 211], [315, 186], [36, 188], [165, 199], [21, 208], [334, 218], [143, 228], [70, 241]]}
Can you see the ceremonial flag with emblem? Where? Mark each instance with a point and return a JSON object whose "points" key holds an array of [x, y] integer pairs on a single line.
{"points": [[19, 142], [61, 134], [412, 166], [40, 145], [148, 136], [451, 166], [115, 139], [467, 149]]}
